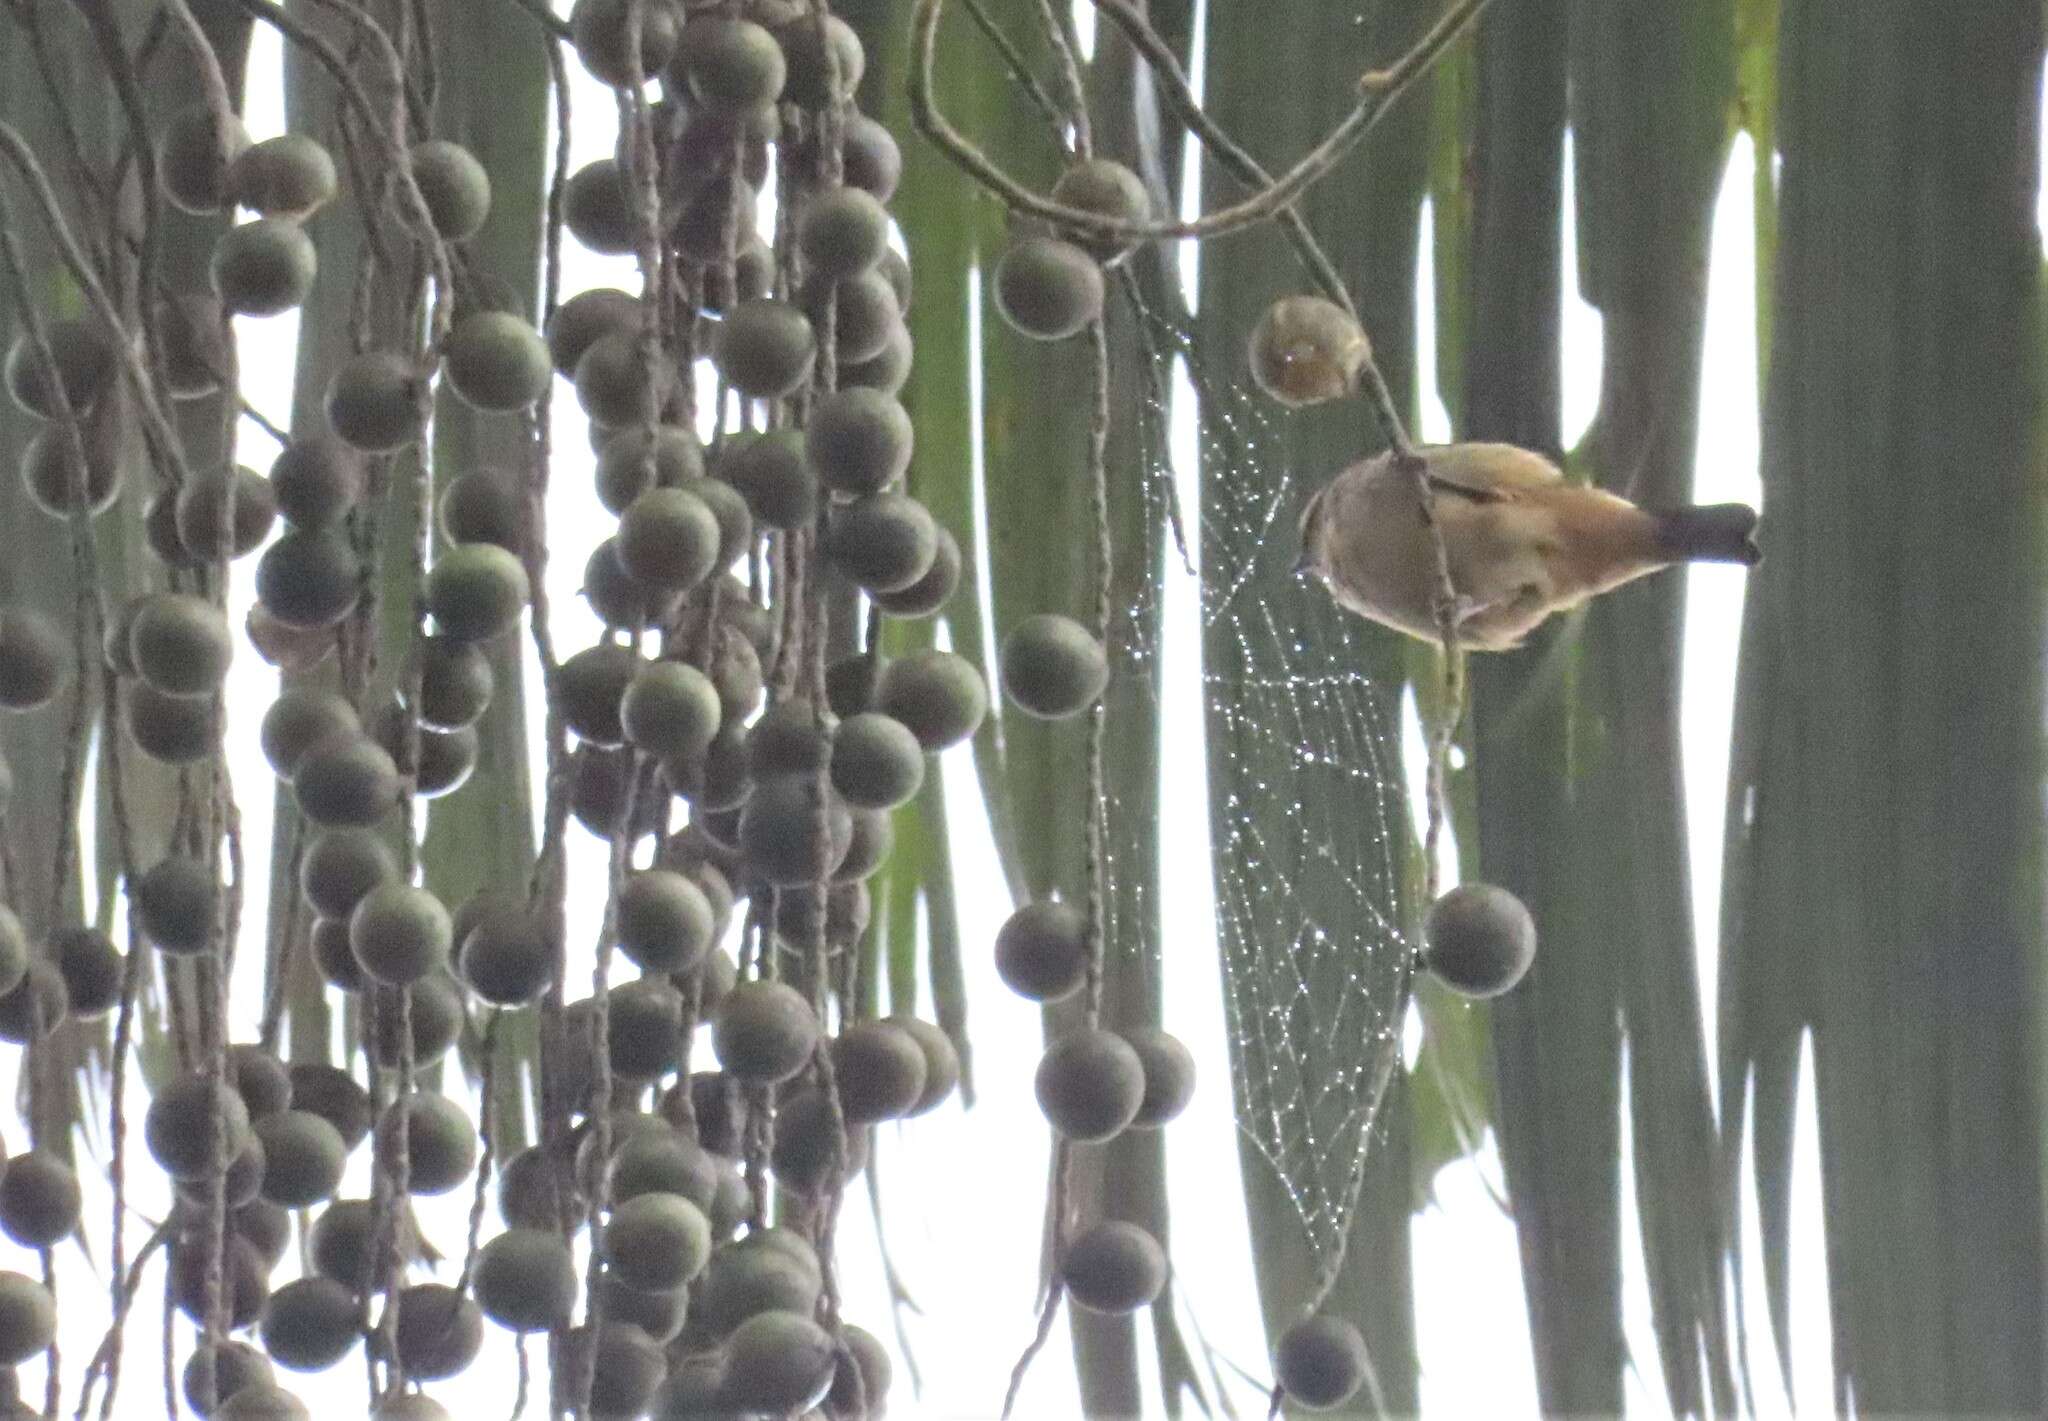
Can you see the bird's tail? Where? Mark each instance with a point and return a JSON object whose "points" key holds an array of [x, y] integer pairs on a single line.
{"points": [[1714, 532]]}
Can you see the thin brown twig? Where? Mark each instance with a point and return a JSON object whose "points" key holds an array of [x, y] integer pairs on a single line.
{"points": [[1058, 23], [17, 151], [553, 25], [1378, 89], [1014, 61], [1179, 94]]}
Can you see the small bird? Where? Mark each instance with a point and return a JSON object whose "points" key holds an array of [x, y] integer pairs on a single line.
{"points": [[1523, 541]]}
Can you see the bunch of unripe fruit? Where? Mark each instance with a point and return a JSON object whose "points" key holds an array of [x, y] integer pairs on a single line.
{"points": [[701, 1309]]}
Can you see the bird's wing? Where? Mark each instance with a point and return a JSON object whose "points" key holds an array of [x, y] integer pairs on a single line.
{"points": [[1489, 473]]}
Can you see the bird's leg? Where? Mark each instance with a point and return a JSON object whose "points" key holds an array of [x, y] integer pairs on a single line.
{"points": [[1485, 620]]}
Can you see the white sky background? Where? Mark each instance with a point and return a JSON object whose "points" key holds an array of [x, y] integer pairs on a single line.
{"points": [[965, 1189]]}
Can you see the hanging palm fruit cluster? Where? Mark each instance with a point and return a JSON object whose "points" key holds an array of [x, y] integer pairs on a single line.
{"points": [[732, 736]]}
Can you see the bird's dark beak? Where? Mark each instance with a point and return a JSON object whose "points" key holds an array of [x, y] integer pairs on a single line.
{"points": [[1311, 516]]}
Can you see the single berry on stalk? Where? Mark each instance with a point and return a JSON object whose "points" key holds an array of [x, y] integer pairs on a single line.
{"points": [[290, 176], [484, 506], [1321, 1362], [375, 402], [1169, 1075], [823, 70], [202, 509], [773, 476], [624, 470], [1479, 940], [613, 383], [1306, 350], [669, 539], [194, 151], [1114, 1267], [880, 1070], [785, 834], [316, 480], [497, 362], [1090, 1084], [843, 232], [309, 579], [930, 592], [1048, 289], [525, 1280], [876, 761], [264, 268], [670, 708], [1053, 667], [733, 67], [1042, 951], [580, 320], [656, 1242], [603, 33], [597, 207], [456, 188], [1109, 189], [765, 348], [778, 1362], [858, 440], [476, 591], [937, 695], [883, 542], [54, 476], [764, 1032]]}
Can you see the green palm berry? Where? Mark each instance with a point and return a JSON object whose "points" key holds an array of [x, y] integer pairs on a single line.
{"points": [[858, 440], [581, 319], [1480, 940], [400, 933], [1090, 1084], [289, 176], [625, 469], [376, 402], [316, 481], [668, 539], [34, 661], [843, 232], [733, 67], [1053, 667], [1042, 951], [193, 154], [1321, 1362], [930, 592], [1114, 1268], [603, 33], [1048, 289], [1109, 188], [80, 370], [202, 510], [456, 187], [938, 695], [181, 644], [883, 542], [597, 208], [669, 708], [775, 479], [497, 361], [476, 591], [265, 267], [765, 348], [309, 578]]}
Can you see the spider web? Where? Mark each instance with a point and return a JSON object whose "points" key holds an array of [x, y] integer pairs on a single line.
{"points": [[1306, 812]]}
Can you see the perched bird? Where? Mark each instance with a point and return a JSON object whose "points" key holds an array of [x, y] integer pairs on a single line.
{"points": [[1523, 542]]}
